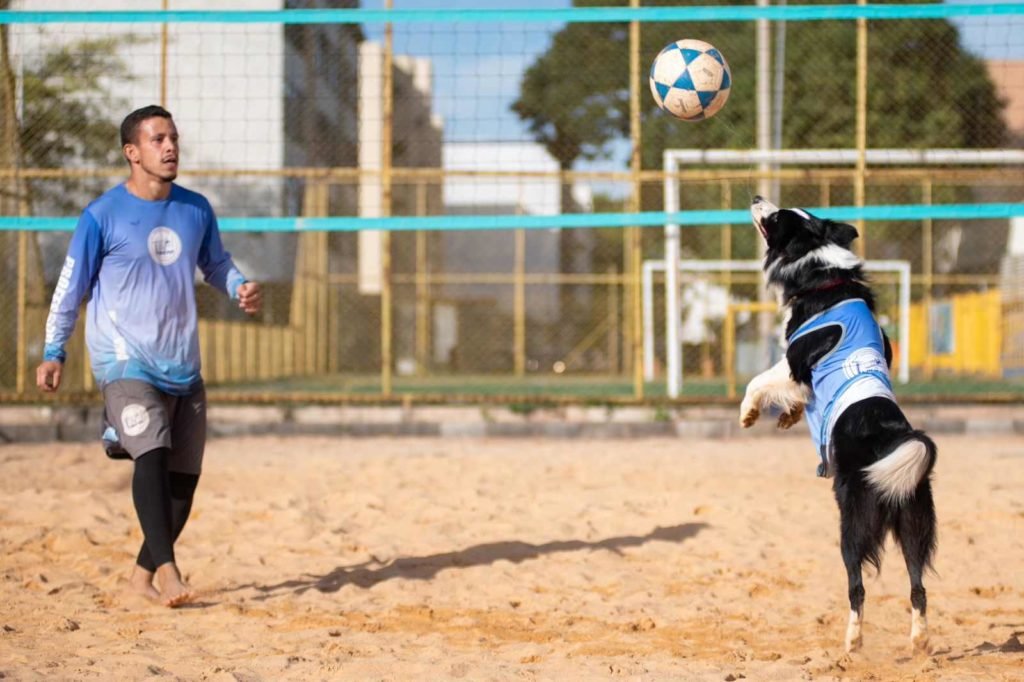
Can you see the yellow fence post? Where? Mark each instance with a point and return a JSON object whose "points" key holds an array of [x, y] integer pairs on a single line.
{"points": [[422, 287], [385, 190], [927, 266], [21, 369], [859, 193], [635, 164], [519, 304]]}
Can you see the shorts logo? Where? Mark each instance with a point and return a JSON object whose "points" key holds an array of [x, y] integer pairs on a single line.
{"points": [[164, 245], [134, 419]]}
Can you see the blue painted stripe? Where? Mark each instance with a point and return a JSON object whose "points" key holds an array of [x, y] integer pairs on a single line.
{"points": [[574, 220], [571, 15]]}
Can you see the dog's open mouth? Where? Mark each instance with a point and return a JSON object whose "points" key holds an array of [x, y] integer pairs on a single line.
{"points": [[760, 228], [760, 210]]}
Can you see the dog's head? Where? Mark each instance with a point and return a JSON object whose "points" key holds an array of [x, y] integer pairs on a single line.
{"points": [[801, 248]]}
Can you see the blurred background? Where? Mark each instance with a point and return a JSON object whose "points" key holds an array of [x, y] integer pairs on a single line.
{"points": [[532, 115]]}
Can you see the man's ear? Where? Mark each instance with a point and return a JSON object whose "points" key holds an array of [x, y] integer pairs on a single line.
{"points": [[842, 234], [130, 153]]}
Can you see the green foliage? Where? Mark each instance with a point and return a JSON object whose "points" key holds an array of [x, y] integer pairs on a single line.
{"points": [[924, 90], [70, 116]]}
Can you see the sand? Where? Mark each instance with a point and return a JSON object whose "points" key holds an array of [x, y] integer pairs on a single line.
{"points": [[332, 558]]}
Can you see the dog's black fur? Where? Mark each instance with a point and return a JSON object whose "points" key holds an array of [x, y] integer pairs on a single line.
{"points": [[867, 431]]}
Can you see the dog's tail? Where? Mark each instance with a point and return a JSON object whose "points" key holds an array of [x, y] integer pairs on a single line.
{"points": [[896, 475]]}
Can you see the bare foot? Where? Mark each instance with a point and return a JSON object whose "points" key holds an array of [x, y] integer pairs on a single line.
{"points": [[141, 584], [173, 590]]}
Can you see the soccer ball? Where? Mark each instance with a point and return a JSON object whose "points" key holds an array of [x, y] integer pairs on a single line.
{"points": [[690, 79]]}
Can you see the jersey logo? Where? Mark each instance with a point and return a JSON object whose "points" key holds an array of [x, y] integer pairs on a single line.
{"points": [[134, 419], [164, 245], [864, 360]]}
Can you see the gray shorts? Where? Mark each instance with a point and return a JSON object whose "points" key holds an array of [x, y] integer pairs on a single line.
{"points": [[140, 417]]}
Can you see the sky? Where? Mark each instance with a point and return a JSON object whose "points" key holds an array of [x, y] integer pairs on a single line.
{"points": [[488, 59]]}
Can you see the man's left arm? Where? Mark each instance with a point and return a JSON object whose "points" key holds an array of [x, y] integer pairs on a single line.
{"points": [[219, 270]]}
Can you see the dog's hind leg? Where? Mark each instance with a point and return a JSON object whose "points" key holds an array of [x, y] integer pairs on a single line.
{"points": [[862, 533], [914, 530], [854, 640]]}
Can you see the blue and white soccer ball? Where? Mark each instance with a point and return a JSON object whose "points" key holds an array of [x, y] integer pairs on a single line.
{"points": [[690, 79]]}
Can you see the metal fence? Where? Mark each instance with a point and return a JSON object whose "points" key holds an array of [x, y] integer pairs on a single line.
{"points": [[457, 204]]}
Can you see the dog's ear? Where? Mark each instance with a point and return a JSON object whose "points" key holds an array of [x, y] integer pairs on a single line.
{"points": [[842, 234]]}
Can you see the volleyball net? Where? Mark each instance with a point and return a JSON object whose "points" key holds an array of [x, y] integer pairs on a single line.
{"points": [[457, 204]]}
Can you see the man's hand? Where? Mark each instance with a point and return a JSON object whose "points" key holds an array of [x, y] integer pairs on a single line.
{"points": [[48, 375], [250, 297]]}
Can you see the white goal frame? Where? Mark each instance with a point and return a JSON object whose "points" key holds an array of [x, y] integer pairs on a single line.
{"points": [[674, 352], [674, 158]]}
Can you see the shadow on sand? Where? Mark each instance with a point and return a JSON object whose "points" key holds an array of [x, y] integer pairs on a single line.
{"points": [[370, 573]]}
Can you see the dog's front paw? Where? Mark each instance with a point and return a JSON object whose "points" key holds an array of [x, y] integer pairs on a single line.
{"points": [[748, 417], [788, 419]]}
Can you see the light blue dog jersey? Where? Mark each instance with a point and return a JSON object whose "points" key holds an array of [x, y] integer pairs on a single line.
{"points": [[852, 371]]}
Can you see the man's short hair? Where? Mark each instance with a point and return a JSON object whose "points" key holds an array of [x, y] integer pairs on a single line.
{"points": [[131, 122]]}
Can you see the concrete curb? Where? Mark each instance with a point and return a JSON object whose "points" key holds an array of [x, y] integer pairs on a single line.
{"points": [[38, 424]]}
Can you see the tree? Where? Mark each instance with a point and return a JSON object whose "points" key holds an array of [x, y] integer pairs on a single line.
{"points": [[70, 117], [924, 89], [63, 117]]}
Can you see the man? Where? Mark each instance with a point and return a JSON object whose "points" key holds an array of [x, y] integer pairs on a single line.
{"points": [[135, 250]]}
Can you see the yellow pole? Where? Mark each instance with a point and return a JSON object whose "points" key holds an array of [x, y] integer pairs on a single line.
{"points": [[220, 351], [928, 267], [613, 319], [385, 190], [422, 287], [635, 167], [323, 288], [862, 125], [21, 368], [252, 363], [727, 234], [163, 59], [519, 304], [730, 351]]}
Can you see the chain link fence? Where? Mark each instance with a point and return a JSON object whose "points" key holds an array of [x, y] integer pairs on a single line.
{"points": [[503, 120]]}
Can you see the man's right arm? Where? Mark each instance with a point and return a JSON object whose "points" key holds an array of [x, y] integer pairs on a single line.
{"points": [[76, 277]]}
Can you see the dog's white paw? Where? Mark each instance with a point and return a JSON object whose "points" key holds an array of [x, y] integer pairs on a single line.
{"points": [[748, 416], [791, 418], [854, 639], [919, 634]]}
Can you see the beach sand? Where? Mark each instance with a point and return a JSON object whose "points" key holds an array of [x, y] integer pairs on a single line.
{"points": [[493, 559]]}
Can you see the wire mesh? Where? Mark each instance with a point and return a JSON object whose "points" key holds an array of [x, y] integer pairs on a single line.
{"points": [[526, 118]]}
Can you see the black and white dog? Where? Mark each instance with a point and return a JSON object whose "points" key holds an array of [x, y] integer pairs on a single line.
{"points": [[837, 369]]}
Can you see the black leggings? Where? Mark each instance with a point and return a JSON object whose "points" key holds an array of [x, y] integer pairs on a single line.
{"points": [[163, 500]]}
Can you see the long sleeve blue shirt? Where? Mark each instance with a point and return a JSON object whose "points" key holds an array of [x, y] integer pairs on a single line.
{"points": [[137, 261]]}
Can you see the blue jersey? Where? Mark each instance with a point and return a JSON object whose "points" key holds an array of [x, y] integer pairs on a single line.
{"points": [[137, 260], [855, 369]]}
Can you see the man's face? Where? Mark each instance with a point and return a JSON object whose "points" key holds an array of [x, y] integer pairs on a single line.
{"points": [[156, 148]]}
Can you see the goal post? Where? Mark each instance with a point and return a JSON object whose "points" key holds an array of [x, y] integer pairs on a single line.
{"points": [[674, 159]]}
